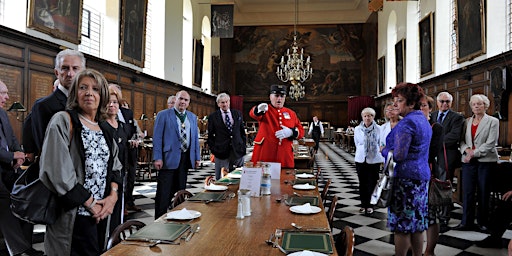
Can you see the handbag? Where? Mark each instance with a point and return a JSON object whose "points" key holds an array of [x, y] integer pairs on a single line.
{"points": [[382, 194], [439, 191], [31, 200]]}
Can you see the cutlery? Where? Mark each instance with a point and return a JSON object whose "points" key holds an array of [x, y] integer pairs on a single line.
{"points": [[296, 226], [297, 194], [149, 243], [194, 230], [208, 201]]}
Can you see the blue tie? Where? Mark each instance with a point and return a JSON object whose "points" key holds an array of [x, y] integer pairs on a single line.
{"points": [[228, 121], [440, 117]]}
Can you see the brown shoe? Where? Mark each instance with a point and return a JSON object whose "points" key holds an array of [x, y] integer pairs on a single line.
{"points": [[133, 208]]}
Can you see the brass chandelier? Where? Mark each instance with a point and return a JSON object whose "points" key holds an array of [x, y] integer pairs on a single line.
{"points": [[295, 69]]}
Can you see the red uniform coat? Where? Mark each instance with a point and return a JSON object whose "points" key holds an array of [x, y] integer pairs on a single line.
{"points": [[268, 148]]}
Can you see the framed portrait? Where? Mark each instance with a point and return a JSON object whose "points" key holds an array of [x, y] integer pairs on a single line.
{"points": [[381, 70], [198, 62], [400, 61], [470, 28], [426, 30], [59, 19], [133, 31]]}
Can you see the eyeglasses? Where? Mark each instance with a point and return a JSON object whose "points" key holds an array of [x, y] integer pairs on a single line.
{"points": [[444, 101]]}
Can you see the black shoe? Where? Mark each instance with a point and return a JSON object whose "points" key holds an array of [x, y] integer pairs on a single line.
{"points": [[443, 228], [490, 242], [483, 228], [461, 227], [31, 252]]}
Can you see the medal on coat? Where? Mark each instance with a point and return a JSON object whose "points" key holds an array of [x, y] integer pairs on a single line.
{"points": [[182, 125], [286, 115]]}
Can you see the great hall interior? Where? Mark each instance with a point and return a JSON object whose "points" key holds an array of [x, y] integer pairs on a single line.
{"points": [[359, 50]]}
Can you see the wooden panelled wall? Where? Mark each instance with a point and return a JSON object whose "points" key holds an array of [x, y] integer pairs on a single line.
{"points": [[478, 78], [27, 68]]}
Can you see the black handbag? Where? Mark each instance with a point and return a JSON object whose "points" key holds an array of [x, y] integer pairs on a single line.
{"points": [[383, 192], [31, 200], [439, 191]]}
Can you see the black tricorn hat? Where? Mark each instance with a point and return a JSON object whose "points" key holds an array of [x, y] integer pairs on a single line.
{"points": [[278, 89]]}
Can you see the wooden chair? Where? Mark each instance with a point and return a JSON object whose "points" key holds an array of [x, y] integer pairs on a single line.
{"points": [[180, 197], [325, 191], [123, 231], [344, 242], [145, 163], [332, 209], [318, 174]]}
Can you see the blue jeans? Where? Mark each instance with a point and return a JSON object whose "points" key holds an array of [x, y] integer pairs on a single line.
{"points": [[476, 175]]}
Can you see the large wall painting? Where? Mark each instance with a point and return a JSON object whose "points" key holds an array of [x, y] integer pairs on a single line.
{"points": [[336, 52]]}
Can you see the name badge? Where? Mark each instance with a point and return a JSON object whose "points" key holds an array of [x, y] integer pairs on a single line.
{"points": [[286, 115]]}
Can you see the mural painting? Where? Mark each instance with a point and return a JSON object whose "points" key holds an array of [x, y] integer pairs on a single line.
{"points": [[336, 52]]}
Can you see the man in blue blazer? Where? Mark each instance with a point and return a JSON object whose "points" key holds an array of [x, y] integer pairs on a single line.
{"points": [[175, 150], [226, 135], [17, 233]]}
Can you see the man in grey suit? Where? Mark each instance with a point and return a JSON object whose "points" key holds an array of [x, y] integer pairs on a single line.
{"points": [[226, 135], [175, 150], [452, 123], [17, 233]]}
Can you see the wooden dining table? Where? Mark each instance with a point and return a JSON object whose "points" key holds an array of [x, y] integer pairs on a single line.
{"points": [[221, 233]]}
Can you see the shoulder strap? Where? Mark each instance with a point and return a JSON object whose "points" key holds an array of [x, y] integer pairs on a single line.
{"points": [[70, 129]]}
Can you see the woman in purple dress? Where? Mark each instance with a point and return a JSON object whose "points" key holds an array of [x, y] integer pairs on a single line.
{"points": [[409, 140]]}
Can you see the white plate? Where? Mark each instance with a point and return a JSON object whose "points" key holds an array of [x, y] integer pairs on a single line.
{"points": [[303, 186], [307, 253], [174, 215], [234, 175], [304, 175], [213, 187], [296, 209]]}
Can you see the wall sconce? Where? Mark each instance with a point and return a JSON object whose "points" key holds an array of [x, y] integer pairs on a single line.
{"points": [[17, 107]]}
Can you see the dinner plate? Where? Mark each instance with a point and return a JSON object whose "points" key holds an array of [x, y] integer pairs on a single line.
{"points": [[234, 175], [296, 209], [304, 175], [309, 253], [213, 187], [304, 186], [174, 215]]}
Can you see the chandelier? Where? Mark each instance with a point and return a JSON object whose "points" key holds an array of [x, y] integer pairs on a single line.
{"points": [[295, 69]]}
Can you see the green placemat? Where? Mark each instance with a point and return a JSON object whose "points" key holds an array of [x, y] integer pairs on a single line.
{"points": [[299, 241], [160, 231], [309, 171], [227, 180], [204, 196], [304, 181], [300, 200]]}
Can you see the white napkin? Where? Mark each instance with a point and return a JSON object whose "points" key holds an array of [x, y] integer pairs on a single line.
{"points": [[181, 214], [307, 253], [305, 208]]}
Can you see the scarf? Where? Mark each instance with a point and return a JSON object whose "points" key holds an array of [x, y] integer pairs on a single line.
{"points": [[181, 116], [371, 139]]}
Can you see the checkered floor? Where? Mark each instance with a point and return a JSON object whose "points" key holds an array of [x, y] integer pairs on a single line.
{"points": [[372, 237]]}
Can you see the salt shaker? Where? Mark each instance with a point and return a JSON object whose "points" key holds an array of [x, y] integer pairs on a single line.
{"points": [[246, 202], [240, 208]]}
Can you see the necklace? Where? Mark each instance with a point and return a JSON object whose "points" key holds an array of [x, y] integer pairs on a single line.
{"points": [[87, 120]]}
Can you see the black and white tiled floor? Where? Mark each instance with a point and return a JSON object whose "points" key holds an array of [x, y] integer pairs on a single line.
{"points": [[371, 235]]}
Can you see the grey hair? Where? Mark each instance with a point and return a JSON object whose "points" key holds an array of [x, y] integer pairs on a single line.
{"points": [[370, 111], [222, 96], [447, 94], [482, 98], [68, 52], [170, 98]]}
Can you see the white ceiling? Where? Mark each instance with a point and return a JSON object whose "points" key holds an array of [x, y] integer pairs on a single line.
{"points": [[281, 12]]}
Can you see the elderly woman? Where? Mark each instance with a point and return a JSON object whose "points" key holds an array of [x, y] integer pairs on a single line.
{"points": [[436, 143], [79, 163], [367, 157], [392, 118], [479, 155], [409, 140]]}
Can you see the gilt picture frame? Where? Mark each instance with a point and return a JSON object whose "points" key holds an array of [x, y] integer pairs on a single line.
{"points": [[61, 19], [426, 36], [133, 31], [470, 29]]}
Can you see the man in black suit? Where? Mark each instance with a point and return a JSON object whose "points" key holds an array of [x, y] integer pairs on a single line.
{"points": [[67, 64], [17, 233], [452, 123], [226, 135]]}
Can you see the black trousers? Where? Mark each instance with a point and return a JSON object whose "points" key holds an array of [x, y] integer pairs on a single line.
{"points": [[368, 175], [88, 237]]}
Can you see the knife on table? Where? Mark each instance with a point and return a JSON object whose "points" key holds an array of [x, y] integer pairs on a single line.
{"points": [[194, 230]]}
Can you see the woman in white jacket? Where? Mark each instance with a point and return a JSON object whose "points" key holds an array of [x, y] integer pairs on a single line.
{"points": [[368, 158]]}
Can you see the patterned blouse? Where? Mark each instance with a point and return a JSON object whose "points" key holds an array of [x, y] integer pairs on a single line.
{"points": [[96, 161]]}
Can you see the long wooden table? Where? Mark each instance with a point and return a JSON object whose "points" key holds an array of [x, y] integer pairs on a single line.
{"points": [[222, 234]]}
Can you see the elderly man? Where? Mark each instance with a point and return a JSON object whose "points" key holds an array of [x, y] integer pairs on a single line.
{"points": [[452, 123], [17, 233], [278, 127], [226, 135], [67, 64], [171, 101], [175, 150]]}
